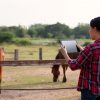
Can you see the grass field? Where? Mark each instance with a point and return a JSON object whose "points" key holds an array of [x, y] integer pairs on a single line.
{"points": [[30, 52]]}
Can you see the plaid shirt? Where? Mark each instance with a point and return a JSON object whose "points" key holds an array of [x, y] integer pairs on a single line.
{"points": [[88, 62]]}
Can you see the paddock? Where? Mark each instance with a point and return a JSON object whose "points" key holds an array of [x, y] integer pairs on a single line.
{"points": [[34, 63]]}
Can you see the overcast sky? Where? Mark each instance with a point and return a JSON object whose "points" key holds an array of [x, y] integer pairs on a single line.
{"points": [[27, 12]]}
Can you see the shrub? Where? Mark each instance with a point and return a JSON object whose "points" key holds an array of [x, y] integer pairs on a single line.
{"points": [[22, 41], [86, 43], [6, 37]]}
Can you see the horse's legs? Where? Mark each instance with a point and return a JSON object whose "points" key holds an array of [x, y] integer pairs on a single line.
{"points": [[64, 72]]}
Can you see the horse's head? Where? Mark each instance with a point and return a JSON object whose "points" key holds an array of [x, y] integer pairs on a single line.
{"points": [[55, 72], [55, 68]]}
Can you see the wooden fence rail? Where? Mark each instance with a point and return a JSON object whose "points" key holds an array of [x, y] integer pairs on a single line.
{"points": [[31, 62]]}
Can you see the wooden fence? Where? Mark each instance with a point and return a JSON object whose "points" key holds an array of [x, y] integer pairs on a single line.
{"points": [[15, 55]]}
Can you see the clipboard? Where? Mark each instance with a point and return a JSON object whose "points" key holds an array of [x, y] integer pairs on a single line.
{"points": [[70, 45]]}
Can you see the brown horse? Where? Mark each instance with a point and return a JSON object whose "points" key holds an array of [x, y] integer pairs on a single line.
{"points": [[55, 68]]}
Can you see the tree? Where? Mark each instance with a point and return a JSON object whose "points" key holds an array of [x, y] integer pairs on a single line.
{"points": [[37, 30], [81, 31], [21, 31], [6, 36], [58, 30]]}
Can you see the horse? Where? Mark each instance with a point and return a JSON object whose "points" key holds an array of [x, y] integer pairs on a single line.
{"points": [[55, 68]]}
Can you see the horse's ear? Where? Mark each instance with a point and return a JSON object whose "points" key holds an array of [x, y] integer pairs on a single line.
{"points": [[78, 49]]}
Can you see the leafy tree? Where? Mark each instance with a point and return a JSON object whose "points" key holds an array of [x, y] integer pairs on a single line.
{"points": [[58, 30], [32, 32], [21, 31], [4, 29], [50, 35], [6, 36], [37, 30], [81, 31]]}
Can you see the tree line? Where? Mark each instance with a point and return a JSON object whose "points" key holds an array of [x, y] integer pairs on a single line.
{"points": [[57, 31]]}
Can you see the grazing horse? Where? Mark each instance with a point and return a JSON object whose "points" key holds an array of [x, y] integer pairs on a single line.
{"points": [[55, 68]]}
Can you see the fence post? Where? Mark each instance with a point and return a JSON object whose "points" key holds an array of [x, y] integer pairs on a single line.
{"points": [[40, 53], [1, 59], [16, 54]]}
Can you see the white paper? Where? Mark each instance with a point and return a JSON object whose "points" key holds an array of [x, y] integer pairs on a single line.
{"points": [[70, 45]]}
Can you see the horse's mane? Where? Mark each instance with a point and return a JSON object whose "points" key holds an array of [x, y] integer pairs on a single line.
{"points": [[59, 56]]}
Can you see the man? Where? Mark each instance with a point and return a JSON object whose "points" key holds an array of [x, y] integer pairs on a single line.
{"points": [[88, 62]]}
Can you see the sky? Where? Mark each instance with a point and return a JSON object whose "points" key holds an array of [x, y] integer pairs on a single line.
{"points": [[29, 12]]}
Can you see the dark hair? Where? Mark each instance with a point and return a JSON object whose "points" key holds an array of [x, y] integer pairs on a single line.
{"points": [[95, 23]]}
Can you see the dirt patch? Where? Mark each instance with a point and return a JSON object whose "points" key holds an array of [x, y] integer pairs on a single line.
{"points": [[62, 94], [40, 95]]}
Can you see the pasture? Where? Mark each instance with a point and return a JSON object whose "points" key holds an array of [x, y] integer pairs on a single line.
{"points": [[36, 77]]}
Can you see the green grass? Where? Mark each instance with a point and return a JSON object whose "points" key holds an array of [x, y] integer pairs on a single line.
{"points": [[32, 82], [25, 81], [83, 41], [30, 52]]}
